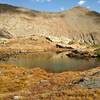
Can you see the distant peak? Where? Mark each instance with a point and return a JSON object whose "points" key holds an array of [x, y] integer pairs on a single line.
{"points": [[80, 9], [6, 5]]}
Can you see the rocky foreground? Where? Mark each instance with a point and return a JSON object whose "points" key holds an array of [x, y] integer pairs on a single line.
{"points": [[37, 84]]}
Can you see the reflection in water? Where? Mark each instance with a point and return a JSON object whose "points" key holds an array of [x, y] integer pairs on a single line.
{"points": [[52, 62]]}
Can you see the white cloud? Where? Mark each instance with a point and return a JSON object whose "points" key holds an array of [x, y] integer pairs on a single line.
{"points": [[37, 0], [88, 7], [81, 2], [49, 0], [62, 8]]}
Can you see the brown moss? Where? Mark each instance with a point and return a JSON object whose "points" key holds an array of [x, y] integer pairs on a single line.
{"points": [[33, 84]]}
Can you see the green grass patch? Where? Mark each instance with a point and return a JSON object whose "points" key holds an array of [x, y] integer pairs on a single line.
{"points": [[97, 52], [96, 46], [71, 42]]}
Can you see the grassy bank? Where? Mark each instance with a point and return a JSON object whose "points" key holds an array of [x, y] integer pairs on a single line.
{"points": [[34, 84]]}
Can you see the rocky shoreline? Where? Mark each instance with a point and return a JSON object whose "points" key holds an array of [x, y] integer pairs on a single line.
{"points": [[35, 44]]}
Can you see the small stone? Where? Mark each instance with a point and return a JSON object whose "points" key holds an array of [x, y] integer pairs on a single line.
{"points": [[16, 77], [0, 72], [43, 81], [16, 97]]}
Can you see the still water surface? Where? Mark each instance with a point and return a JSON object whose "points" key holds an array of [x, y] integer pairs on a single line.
{"points": [[52, 62]]}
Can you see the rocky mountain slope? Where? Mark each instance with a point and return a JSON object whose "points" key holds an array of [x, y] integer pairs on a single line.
{"points": [[77, 24]]}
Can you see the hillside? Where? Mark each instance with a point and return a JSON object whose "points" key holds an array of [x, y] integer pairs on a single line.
{"points": [[77, 24]]}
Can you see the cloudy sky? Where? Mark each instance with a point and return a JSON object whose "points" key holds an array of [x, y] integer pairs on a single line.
{"points": [[54, 5]]}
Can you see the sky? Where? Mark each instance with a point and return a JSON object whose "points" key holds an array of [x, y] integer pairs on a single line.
{"points": [[54, 5]]}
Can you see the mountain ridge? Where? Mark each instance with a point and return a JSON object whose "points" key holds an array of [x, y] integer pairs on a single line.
{"points": [[76, 24], [13, 6]]}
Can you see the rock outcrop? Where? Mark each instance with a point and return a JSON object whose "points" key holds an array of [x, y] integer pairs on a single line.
{"points": [[77, 24], [5, 34]]}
